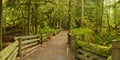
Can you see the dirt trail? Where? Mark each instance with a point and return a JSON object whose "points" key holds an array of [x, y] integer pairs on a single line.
{"points": [[55, 49]]}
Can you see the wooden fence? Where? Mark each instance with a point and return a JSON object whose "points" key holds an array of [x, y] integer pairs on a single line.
{"points": [[116, 50], [27, 44], [45, 37], [10, 52], [90, 51], [24, 45]]}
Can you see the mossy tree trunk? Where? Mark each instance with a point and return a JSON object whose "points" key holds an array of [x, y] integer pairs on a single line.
{"points": [[28, 22], [69, 16], [102, 12], [115, 16], [0, 24], [82, 21], [108, 17], [60, 27], [36, 20]]}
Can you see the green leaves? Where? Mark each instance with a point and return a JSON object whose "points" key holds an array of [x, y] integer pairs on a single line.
{"points": [[88, 34]]}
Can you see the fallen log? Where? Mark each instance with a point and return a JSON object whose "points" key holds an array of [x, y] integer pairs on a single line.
{"points": [[97, 49]]}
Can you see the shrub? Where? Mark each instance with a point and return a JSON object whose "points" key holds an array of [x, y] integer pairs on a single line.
{"points": [[88, 34]]}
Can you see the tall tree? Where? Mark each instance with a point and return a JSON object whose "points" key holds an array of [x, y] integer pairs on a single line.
{"points": [[28, 22], [60, 16], [115, 16], [97, 14], [101, 10], [0, 24], [82, 13], [108, 15], [69, 16], [36, 26]]}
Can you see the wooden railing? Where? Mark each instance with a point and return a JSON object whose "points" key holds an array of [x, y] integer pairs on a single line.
{"points": [[23, 45], [45, 37], [97, 49], [88, 51], [10, 52], [27, 43], [116, 50]]}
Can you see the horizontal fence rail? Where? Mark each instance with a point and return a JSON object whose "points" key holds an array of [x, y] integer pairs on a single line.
{"points": [[86, 50], [97, 49], [10, 52], [24, 45], [45, 37], [27, 44]]}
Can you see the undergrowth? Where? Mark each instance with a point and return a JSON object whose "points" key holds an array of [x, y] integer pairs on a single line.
{"points": [[101, 38]]}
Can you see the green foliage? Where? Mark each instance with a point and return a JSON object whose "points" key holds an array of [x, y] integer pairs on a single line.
{"points": [[98, 39], [95, 48], [88, 34], [79, 31], [48, 30], [47, 15], [104, 38], [109, 58]]}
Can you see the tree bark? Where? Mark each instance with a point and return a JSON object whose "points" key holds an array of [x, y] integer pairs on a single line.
{"points": [[115, 10], [108, 17], [32, 18], [96, 13], [108, 21], [36, 7], [82, 13], [29, 7], [0, 24], [60, 27], [101, 15], [69, 16], [98, 49]]}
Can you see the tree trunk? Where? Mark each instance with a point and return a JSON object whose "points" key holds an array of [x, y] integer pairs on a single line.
{"points": [[32, 18], [29, 7], [82, 21], [108, 21], [60, 27], [108, 17], [97, 14], [94, 48], [36, 7], [69, 16], [102, 15], [0, 24], [115, 10]]}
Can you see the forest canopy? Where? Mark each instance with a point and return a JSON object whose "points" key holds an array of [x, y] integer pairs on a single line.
{"points": [[31, 17]]}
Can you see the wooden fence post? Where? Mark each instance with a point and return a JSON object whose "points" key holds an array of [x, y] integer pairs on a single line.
{"points": [[20, 45], [69, 38], [83, 37], [50, 35], [41, 38], [116, 50]]}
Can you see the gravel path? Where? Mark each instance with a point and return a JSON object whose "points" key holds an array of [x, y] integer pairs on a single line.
{"points": [[55, 49]]}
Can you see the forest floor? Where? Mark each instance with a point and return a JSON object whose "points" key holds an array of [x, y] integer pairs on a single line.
{"points": [[55, 49]]}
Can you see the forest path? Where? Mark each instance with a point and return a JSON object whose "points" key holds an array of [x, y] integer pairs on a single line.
{"points": [[55, 49]]}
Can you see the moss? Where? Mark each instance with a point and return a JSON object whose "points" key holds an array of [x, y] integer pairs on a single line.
{"points": [[48, 30], [88, 34], [109, 58], [100, 50]]}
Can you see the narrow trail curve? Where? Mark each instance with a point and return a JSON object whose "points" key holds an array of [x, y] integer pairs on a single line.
{"points": [[55, 49]]}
